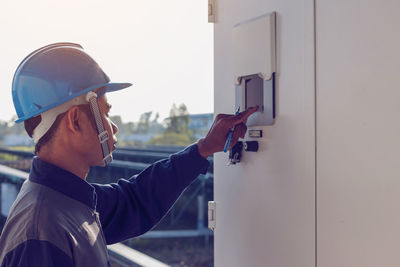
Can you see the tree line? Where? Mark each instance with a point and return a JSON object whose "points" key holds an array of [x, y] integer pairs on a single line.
{"points": [[172, 131]]}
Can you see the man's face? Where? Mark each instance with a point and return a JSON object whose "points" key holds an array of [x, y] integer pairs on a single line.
{"points": [[91, 142]]}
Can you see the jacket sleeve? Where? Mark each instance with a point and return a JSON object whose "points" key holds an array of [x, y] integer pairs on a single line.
{"points": [[131, 207], [36, 253]]}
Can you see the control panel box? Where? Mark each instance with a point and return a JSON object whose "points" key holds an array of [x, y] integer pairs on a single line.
{"points": [[254, 59]]}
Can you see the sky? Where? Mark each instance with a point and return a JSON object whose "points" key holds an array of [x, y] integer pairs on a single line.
{"points": [[165, 48]]}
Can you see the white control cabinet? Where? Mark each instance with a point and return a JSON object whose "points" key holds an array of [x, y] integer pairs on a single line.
{"points": [[358, 133], [324, 188], [265, 205]]}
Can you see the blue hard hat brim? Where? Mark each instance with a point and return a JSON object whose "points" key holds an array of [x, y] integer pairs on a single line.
{"points": [[108, 87]]}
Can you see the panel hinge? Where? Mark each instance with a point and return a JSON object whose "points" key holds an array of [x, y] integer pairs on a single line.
{"points": [[211, 11], [212, 211]]}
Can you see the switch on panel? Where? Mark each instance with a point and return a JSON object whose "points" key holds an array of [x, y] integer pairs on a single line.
{"points": [[254, 62], [235, 153]]}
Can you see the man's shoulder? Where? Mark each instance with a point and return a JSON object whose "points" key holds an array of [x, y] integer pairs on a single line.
{"points": [[40, 205], [34, 253], [40, 213], [29, 232]]}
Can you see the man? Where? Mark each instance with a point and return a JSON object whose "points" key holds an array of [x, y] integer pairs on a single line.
{"points": [[58, 219]]}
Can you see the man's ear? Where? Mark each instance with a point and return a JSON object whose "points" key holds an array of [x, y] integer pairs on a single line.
{"points": [[73, 117]]}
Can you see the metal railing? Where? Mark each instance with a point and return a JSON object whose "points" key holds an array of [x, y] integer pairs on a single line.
{"points": [[125, 256]]}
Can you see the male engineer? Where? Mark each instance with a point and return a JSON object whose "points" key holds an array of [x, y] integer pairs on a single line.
{"points": [[58, 219]]}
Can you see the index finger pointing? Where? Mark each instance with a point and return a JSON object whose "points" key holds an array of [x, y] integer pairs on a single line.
{"points": [[242, 116]]}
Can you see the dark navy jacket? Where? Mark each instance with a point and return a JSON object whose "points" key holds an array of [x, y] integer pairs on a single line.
{"points": [[58, 219]]}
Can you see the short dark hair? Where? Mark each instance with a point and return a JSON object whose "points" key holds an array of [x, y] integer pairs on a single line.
{"points": [[32, 123]]}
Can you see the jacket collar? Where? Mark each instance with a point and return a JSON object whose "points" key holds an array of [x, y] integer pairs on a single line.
{"points": [[62, 181]]}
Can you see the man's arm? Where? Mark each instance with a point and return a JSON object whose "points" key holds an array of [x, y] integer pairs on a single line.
{"points": [[131, 207], [36, 253]]}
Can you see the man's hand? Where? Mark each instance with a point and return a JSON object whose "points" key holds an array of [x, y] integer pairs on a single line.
{"points": [[217, 135]]}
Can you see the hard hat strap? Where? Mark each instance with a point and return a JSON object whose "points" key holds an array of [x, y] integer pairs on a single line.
{"points": [[91, 97]]}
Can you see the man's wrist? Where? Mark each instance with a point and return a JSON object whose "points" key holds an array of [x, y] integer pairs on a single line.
{"points": [[203, 150]]}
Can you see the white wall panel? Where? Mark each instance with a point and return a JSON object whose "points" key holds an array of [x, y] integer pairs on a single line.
{"points": [[358, 132], [265, 205]]}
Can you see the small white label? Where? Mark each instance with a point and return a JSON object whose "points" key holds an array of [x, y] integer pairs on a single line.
{"points": [[255, 133]]}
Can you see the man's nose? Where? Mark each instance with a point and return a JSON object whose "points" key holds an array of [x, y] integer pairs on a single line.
{"points": [[114, 128]]}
